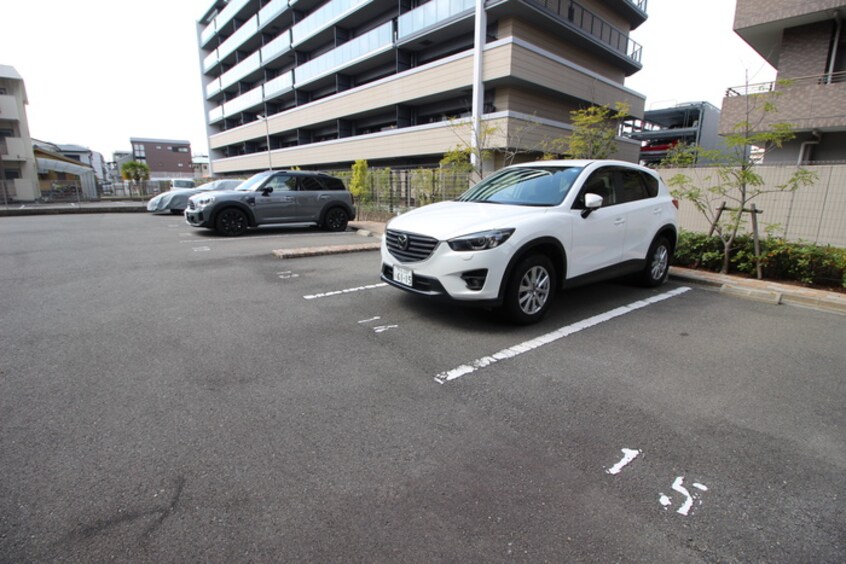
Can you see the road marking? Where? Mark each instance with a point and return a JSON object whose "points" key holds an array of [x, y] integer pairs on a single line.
{"points": [[377, 318], [628, 455], [678, 485], [285, 275], [345, 291], [532, 344], [383, 328], [201, 249]]}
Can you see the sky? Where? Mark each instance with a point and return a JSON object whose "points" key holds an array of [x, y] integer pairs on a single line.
{"points": [[98, 72]]}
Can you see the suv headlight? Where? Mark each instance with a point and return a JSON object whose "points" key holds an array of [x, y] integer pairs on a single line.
{"points": [[203, 201], [480, 241]]}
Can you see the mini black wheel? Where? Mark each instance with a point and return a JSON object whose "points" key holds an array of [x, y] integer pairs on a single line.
{"points": [[231, 222], [530, 290], [657, 268], [335, 220]]}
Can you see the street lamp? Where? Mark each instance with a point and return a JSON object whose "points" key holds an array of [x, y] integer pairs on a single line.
{"points": [[267, 135]]}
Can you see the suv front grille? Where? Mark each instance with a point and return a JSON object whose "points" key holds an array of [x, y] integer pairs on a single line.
{"points": [[415, 249]]}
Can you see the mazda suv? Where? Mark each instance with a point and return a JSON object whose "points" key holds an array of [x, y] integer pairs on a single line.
{"points": [[529, 230]]}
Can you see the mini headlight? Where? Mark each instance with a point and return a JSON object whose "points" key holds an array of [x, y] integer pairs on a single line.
{"points": [[480, 241], [204, 201]]}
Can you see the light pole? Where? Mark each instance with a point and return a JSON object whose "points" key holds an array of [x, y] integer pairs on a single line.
{"points": [[267, 135]]}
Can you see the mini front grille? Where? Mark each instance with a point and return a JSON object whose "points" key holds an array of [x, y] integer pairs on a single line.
{"points": [[408, 247]]}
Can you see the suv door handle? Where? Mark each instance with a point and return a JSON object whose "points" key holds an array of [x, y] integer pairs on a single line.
{"points": [[287, 199], [324, 197], [620, 221]]}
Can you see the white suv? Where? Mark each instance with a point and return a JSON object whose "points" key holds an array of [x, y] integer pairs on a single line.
{"points": [[524, 232]]}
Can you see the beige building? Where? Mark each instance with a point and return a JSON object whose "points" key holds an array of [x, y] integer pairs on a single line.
{"points": [[18, 171], [320, 85], [806, 42]]}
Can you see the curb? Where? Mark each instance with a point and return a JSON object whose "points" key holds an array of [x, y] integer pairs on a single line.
{"points": [[17, 212], [327, 250]]}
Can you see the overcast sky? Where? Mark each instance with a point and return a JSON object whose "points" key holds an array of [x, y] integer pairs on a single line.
{"points": [[98, 72]]}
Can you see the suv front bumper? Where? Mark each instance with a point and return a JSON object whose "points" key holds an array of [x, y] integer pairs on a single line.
{"points": [[452, 275]]}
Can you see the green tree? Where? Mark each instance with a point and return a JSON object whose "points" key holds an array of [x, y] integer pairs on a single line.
{"points": [[595, 131], [735, 180], [135, 172], [359, 182]]}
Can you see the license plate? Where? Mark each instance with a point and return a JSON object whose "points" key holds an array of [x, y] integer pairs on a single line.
{"points": [[403, 276]]}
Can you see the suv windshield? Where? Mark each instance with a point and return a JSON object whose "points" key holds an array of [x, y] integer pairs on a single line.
{"points": [[536, 186], [254, 181]]}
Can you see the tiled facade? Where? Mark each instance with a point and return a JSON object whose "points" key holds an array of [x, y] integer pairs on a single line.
{"points": [[806, 42], [327, 83]]}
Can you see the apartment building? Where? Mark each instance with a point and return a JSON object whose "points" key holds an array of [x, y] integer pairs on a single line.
{"points": [[806, 42], [18, 169], [319, 84], [167, 158]]}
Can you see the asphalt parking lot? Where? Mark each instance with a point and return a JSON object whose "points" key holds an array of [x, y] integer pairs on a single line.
{"points": [[168, 395]]}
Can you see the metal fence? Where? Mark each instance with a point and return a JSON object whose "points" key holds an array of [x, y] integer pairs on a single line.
{"points": [[391, 191], [812, 214]]}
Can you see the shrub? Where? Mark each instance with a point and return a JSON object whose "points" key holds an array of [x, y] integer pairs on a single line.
{"points": [[780, 259]]}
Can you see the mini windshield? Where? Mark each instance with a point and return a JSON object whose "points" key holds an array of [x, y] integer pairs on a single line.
{"points": [[535, 186], [254, 181]]}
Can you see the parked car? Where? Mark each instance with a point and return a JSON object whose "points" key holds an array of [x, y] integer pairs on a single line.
{"points": [[274, 197], [529, 230], [176, 199]]}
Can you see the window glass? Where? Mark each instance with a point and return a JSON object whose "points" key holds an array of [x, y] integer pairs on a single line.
{"points": [[601, 183], [332, 183], [525, 186], [310, 183], [631, 187], [651, 184], [281, 183]]}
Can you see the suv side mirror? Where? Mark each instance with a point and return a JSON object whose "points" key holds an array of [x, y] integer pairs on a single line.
{"points": [[592, 202], [267, 190]]}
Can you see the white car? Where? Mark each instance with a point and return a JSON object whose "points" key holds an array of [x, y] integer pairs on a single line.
{"points": [[527, 230]]}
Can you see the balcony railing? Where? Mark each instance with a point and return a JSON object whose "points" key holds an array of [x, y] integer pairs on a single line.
{"points": [[639, 4], [766, 87], [360, 47], [323, 17], [594, 26], [429, 14]]}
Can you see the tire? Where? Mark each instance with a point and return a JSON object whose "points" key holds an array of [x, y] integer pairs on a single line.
{"points": [[335, 220], [657, 268], [231, 222], [530, 290]]}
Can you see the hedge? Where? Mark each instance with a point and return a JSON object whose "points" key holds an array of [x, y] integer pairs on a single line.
{"points": [[780, 259]]}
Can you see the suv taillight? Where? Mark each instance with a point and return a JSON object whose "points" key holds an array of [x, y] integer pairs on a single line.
{"points": [[676, 202]]}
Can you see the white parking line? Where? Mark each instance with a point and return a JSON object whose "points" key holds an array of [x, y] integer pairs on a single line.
{"points": [[345, 291], [532, 344]]}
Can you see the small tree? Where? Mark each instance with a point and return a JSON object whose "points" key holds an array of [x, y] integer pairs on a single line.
{"points": [[735, 180], [135, 172], [359, 182], [595, 131]]}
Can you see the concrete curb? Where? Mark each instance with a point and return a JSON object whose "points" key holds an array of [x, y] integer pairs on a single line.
{"points": [[84, 209], [327, 250]]}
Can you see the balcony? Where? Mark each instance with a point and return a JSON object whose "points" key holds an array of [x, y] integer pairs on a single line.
{"points": [[361, 47], [323, 17], [13, 149], [237, 39], [806, 103], [246, 67], [431, 14], [591, 26]]}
